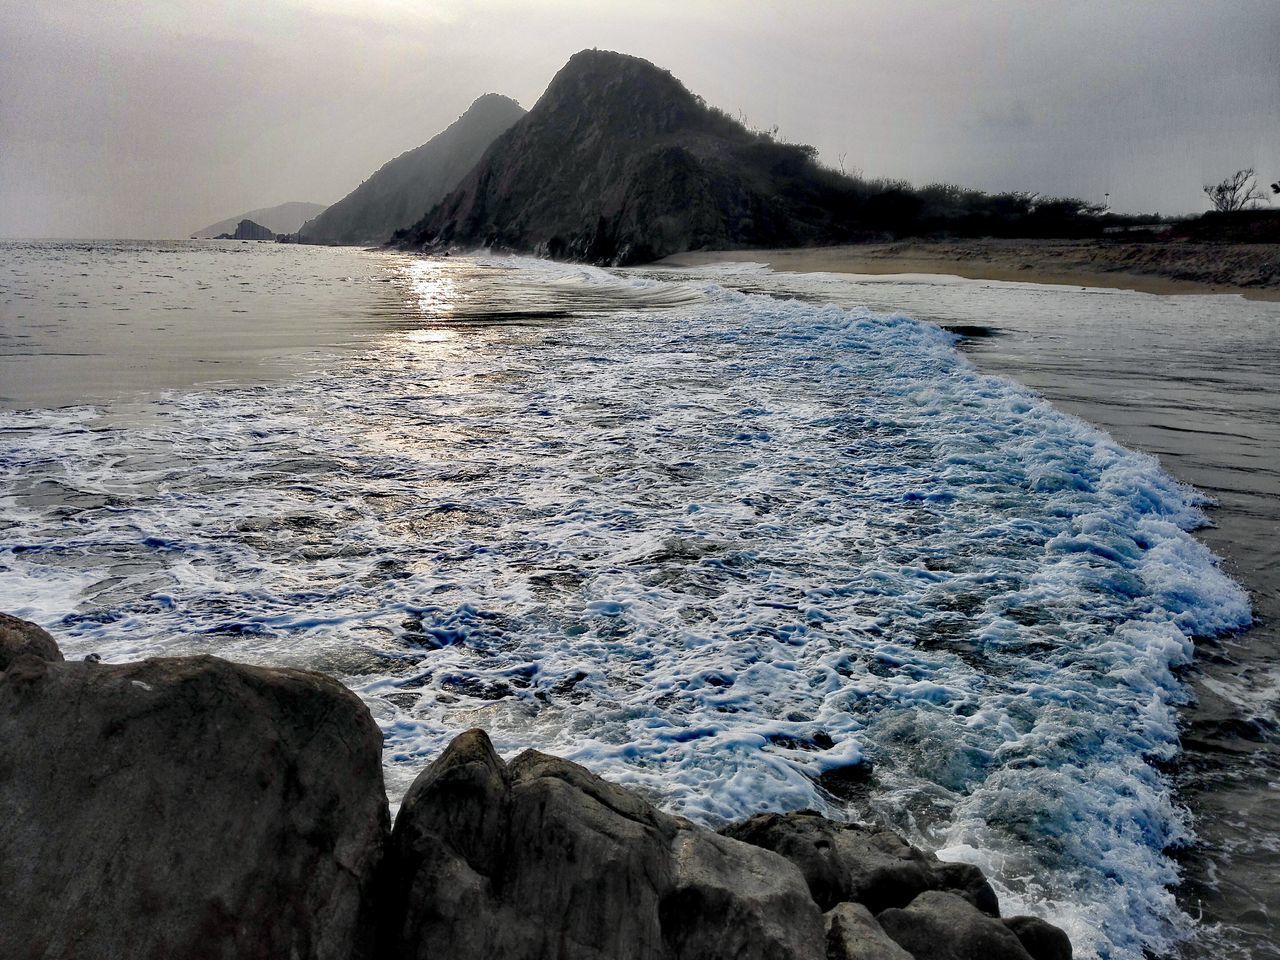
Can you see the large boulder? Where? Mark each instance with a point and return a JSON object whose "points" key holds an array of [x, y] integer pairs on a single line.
{"points": [[854, 934], [1040, 938], [943, 926], [845, 862], [188, 808], [22, 638], [539, 858]]}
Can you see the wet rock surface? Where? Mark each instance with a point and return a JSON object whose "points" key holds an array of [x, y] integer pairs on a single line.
{"points": [[1040, 938], [540, 858]]}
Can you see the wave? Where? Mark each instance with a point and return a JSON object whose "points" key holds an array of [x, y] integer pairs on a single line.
{"points": [[713, 545]]}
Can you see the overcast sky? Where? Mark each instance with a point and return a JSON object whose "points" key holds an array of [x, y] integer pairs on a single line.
{"points": [[133, 119]]}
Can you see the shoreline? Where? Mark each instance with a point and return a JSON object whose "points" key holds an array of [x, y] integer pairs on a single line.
{"points": [[1208, 435], [1155, 268]]}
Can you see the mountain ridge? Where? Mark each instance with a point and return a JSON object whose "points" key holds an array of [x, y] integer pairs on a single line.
{"points": [[407, 186], [618, 162]]}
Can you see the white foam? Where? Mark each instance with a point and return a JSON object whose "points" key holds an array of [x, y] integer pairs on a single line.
{"points": [[680, 543]]}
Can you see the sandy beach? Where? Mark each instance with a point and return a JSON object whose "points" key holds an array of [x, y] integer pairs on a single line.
{"points": [[1251, 270]]}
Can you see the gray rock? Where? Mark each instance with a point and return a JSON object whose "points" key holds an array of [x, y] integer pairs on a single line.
{"points": [[1040, 938], [186, 808], [541, 859], [19, 637], [846, 862], [854, 934], [943, 926]]}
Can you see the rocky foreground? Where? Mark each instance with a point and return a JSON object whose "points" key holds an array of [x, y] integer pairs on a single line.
{"points": [[197, 808]]}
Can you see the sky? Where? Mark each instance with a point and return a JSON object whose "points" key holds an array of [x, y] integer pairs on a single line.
{"points": [[129, 119]]}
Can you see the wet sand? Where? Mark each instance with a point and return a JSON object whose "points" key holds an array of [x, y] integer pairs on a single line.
{"points": [[1250, 270]]}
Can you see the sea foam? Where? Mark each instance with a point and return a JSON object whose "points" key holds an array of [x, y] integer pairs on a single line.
{"points": [[712, 545]]}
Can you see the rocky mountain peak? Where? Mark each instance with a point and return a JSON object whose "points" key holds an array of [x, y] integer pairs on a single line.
{"points": [[618, 90]]}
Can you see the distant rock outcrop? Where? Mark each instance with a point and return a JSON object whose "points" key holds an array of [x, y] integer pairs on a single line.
{"points": [[284, 218], [247, 230], [404, 189], [619, 163], [196, 808]]}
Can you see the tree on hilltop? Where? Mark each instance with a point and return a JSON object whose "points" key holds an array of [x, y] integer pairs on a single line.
{"points": [[1236, 192]]}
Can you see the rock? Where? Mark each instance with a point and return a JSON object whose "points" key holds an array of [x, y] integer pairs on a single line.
{"points": [[540, 859], [18, 637], [848, 862], [248, 230], [187, 808], [854, 934], [729, 901], [943, 926], [285, 218], [1040, 938], [847, 782], [968, 881]]}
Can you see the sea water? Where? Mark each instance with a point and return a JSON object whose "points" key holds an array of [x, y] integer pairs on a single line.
{"points": [[710, 543], [1196, 381]]}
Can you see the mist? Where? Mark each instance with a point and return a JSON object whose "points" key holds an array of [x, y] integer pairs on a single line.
{"points": [[153, 120]]}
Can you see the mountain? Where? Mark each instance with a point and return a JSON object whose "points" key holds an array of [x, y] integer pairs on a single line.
{"points": [[285, 218], [405, 188], [619, 163]]}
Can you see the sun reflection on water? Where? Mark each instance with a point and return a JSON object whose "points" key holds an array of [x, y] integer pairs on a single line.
{"points": [[432, 286]]}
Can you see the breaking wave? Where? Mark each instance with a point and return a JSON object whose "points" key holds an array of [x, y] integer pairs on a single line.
{"points": [[737, 552]]}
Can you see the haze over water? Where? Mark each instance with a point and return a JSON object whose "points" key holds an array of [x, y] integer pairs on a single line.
{"points": [[709, 543]]}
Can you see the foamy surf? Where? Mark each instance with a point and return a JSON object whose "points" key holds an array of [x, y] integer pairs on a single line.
{"points": [[711, 545]]}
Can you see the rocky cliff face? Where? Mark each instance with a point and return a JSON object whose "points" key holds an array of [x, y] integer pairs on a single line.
{"points": [[619, 163], [405, 188], [197, 808]]}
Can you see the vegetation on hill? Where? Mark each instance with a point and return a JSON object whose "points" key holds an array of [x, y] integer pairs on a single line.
{"points": [[619, 163]]}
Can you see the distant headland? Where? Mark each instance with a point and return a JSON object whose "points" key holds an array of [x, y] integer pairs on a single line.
{"points": [[618, 163], [284, 218]]}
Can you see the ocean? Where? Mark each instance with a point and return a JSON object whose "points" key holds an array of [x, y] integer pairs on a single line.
{"points": [[740, 540]]}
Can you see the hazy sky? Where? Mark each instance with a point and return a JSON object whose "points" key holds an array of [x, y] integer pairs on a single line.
{"points": [[154, 119]]}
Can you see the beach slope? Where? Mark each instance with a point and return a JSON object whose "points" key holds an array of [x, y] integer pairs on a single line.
{"points": [[1252, 270]]}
